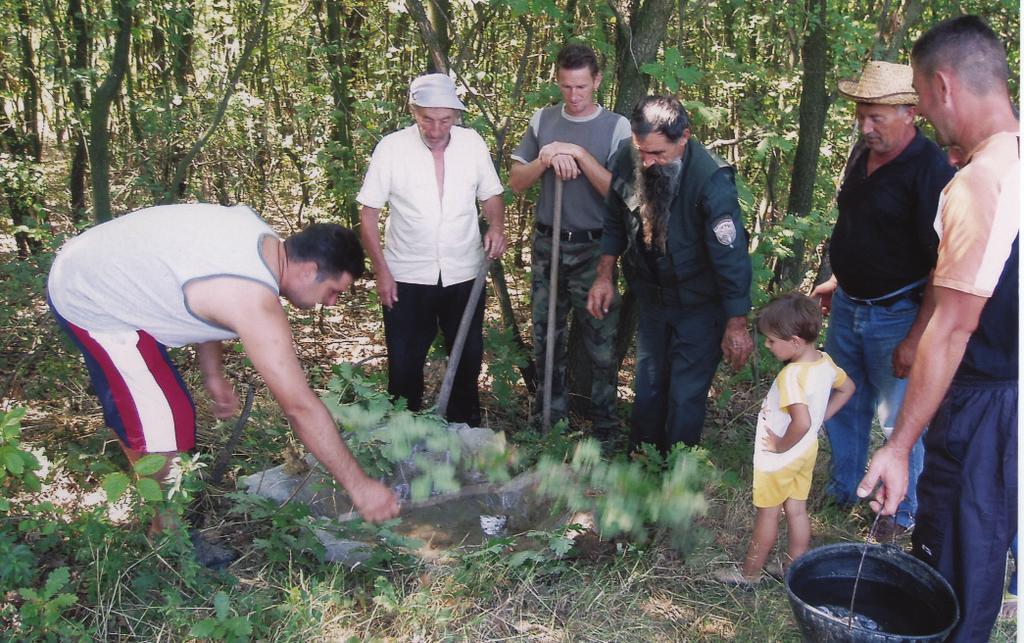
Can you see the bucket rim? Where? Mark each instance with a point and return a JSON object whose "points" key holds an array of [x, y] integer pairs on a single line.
{"points": [[873, 550]]}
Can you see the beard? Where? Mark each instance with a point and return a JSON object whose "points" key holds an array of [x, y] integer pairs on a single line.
{"points": [[655, 188]]}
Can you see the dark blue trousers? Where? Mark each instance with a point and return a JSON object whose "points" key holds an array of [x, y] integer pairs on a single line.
{"points": [[677, 353], [410, 327], [967, 494]]}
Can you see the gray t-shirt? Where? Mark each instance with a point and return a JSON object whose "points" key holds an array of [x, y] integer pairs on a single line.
{"points": [[600, 134]]}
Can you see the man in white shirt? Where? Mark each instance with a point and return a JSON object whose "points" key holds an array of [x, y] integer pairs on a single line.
{"points": [[431, 175]]}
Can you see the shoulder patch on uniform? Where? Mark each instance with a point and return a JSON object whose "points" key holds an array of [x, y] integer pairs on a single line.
{"points": [[725, 231]]}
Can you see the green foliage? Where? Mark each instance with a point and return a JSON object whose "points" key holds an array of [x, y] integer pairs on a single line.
{"points": [[628, 497], [672, 70], [381, 436], [43, 612], [21, 184], [505, 358], [17, 466], [222, 626], [282, 533]]}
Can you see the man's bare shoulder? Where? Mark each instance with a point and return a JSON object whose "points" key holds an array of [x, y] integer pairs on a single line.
{"points": [[232, 302]]}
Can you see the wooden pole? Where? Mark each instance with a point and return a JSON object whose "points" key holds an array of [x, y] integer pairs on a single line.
{"points": [[460, 338], [549, 353]]}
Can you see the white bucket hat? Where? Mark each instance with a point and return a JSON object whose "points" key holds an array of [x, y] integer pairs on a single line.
{"points": [[434, 90], [881, 83]]}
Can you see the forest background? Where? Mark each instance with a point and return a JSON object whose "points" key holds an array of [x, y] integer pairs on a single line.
{"points": [[113, 106]]}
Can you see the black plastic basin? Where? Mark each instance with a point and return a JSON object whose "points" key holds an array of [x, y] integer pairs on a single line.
{"points": [[904, 597]]}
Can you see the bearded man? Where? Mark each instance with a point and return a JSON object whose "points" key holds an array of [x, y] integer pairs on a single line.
{"points": [[674, 216]]}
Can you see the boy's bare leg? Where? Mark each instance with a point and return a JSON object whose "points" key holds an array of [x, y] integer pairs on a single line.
{"points": [[163, 519], [766, 531], [799, 528]]}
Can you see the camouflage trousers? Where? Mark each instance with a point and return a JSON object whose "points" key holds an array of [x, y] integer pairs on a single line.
{"points": [[577, 267]]}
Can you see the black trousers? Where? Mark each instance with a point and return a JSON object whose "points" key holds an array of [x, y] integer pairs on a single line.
{"points": [[967, 499], [410, 327]]}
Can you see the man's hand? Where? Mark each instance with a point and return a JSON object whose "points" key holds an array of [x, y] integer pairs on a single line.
{"points": [[387, 288], [495, 241], [888, 466], [225, 399], [737, 344], [903, 356], [823, 293], [556, 148], [565, 167], [374, 501], [600, 297]]}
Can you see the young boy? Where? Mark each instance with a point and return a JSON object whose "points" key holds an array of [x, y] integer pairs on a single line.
{"points": [[808, 390]]}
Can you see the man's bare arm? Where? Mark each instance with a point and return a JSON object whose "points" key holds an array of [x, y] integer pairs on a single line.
{"points": [[369, 233], [594, 170], [938, 355], [255, 313], [523, 175], [903, 356], [495, 241], [211, 365]]}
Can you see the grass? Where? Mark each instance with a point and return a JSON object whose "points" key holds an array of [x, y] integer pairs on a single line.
{"points": [[127, 588]]}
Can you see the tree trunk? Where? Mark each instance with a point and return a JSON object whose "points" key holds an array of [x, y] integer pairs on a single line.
{"points": [[103, 98], [30, 78], [814, 105], [229, 89], [341, 117], [439, 14], [892, 30], [638, 38], [80, 65], [639, 35], [438, 57]]}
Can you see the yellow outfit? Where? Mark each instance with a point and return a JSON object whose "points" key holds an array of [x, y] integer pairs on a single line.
{"points": [[781, 476]]}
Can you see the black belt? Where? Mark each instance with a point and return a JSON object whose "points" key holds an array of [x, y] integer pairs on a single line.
{"points": [[914, 294], [572, 236]]}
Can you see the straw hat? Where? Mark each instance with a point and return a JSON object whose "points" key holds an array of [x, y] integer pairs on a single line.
{"points": [[881, 83]]}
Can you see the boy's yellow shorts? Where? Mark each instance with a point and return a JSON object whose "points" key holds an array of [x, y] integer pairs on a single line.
{"points": [[772, 488]]}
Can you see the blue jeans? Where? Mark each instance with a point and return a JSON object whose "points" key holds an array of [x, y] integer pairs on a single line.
{"points": [[677, 354], [861, 340]]}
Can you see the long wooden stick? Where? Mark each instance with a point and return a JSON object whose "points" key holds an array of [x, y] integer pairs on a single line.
{"points": [[549, 353], [460, 338]]}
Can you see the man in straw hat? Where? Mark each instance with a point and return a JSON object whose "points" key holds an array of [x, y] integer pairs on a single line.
{"points": [[431, 175], [964, 378], [883, 247]]}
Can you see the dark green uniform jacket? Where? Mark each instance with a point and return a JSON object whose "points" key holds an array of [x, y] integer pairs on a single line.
{"points": [[705, 256]]}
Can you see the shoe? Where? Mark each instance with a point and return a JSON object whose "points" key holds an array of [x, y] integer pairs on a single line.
{"points": [[208, 554], [888, 530], [1008, 610], [734, 578], [775, 571]]}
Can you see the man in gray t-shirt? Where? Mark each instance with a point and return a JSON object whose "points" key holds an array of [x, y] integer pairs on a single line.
{"points": [[574, 140]]}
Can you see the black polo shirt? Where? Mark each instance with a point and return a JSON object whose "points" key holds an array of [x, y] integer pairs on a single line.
{"points": [[884, 238]]}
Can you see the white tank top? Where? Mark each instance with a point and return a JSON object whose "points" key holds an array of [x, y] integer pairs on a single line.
{"points": [[129, 274]]}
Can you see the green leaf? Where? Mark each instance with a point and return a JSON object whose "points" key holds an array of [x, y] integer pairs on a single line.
{"points": [[5, 504], [11, 459], [115, 484], [149, 489], [203, 629], [12, 421], [147, 465], [222, 605], [31, 482], [57, 579]]}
